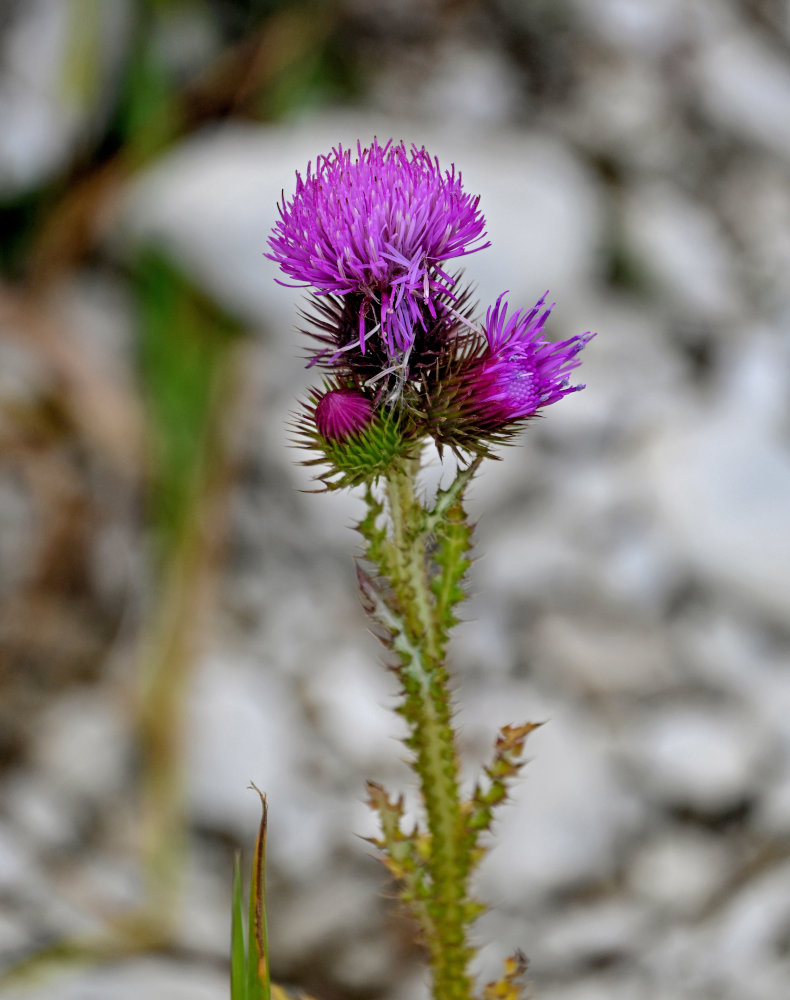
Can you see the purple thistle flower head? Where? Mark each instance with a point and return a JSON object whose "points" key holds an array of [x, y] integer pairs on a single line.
{"points": [[520, 371], [379, 226], [340, 413]]}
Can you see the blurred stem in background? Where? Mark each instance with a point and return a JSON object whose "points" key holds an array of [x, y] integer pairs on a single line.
{"points": [[186, 355]]}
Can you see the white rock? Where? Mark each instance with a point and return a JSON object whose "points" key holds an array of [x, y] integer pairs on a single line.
{"points": [[468, 86], [745, 84], [603, 656], [354, 696], [85, 744], [17, 530], [704, 757], [243, 726], [23, 376], [250, 723], [17, 864], [683, 247], [206, 900], [680, 871], [740, 952], [526, 562], [41, 810], [755, 200], [773, 813], [625, 105], [734, 654], [749, 932], [322, 912], [15, 934], [722, 489], [152, 978], [616, 985], [580, 934], [644, 26]]}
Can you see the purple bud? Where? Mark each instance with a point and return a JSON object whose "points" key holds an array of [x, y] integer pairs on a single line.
{"points": [[340, 413]]}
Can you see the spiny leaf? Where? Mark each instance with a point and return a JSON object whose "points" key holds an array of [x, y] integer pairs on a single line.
{"points": [[454, 539], [407, 851], [379, 549], [445, 499], [370, 528], [511, 985], [507, 762], [404, 855]]}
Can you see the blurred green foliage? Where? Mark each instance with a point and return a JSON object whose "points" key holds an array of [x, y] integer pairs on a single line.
{"points": [[184, 344]]}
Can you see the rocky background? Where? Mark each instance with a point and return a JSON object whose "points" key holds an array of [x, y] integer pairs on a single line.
{"points": [[633, 586]]}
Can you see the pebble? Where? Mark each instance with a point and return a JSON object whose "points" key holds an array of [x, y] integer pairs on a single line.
{"points": [[152, 978], [680, 871], [700, 757]]}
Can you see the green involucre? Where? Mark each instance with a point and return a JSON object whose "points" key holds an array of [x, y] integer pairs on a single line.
{"points": [[364, 457]]}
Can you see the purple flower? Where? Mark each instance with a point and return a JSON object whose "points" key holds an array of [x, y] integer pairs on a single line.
{"points": [[339, 413], [520, 371], [378, 226]]}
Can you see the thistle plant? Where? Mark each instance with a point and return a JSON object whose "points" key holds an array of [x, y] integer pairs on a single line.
{"points": [[375, 234]]}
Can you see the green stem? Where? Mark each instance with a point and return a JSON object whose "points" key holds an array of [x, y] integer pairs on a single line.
{"points": [[427, 709]]}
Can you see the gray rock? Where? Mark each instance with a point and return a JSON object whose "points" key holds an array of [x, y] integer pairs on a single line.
{"points": [[604, 656], [581, 936], [739, 953], [720, 480], [85, 745], [703, 757], [679, 872], [152, 978], [746, 86], [682, 246]]}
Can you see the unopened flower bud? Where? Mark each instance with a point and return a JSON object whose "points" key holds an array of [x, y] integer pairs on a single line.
{"points": [[340, 413]]}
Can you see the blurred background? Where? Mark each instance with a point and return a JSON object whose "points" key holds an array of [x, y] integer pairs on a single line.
{"points": [[167, 580]]}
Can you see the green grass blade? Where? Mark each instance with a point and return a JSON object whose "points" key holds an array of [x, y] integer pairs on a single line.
{"points": [[238, 957], [258, 983]]}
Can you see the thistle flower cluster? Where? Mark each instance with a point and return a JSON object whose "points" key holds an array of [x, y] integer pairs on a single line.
{"points": [[372, 234]]}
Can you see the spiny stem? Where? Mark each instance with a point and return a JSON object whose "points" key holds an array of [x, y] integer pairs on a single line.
{"points": [[427, 709]]}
